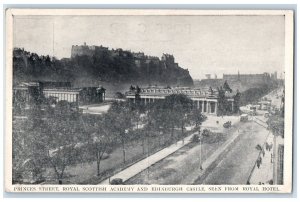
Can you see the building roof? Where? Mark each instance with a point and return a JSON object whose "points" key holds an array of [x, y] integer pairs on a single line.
{"points": [[152, 91]]}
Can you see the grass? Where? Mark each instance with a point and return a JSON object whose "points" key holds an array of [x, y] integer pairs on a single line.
{"points": [[85, 172]]}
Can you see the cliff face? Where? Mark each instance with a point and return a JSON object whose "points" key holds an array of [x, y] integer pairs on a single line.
{"points": [[101, 65]]}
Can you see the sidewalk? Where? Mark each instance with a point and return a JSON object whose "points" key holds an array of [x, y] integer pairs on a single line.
{"points": [[138, 167], [264, 173], [147, 162]]}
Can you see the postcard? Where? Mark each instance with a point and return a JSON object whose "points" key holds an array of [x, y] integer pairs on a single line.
{"points": [[149, 101]]}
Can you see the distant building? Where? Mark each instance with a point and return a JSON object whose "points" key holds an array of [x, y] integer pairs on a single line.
{"points": [[85, 50], [168, 58], [238, 81], [208, 76], [252, 78], [29, 93], [206, 100]]}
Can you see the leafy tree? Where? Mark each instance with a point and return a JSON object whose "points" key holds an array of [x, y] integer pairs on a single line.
{"points": [[28, 146], [119, 95], [119, 118], [253, 94], [221, 101], [276, 125], [196, 117], [102, 142], [226, 87], [156, 117], [132, 88], [177, 106], [65, 132], [236, 102], [224, 106]]}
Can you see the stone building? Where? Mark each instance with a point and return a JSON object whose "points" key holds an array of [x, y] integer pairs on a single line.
{"points": [[30, 93], [85, 50], [206, 100], [250, 78]]}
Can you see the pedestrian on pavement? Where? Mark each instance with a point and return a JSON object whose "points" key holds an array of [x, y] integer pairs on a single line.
{"points": [[258, 162], [263, 152], [271, 158], [267, 146], [260, 159], [270, 147]]}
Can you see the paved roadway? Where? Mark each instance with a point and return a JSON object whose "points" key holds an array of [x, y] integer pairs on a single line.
{"points": [[236, 166], [233, 166]]}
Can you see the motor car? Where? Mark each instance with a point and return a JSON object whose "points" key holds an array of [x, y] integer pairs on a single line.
{"points": [[244, 118], [117, 181], [227, 124]]}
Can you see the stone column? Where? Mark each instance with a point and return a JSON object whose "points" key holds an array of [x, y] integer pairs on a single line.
{"points": [[232, 106], [207, 104], [198, 104], [77, 99], [202, 110], [216, 107]]}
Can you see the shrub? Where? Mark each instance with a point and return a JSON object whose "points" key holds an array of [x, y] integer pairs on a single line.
{"points": [[195, 138]]}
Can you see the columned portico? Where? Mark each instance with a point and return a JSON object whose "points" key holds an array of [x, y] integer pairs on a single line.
{"points": [[205, 102]]}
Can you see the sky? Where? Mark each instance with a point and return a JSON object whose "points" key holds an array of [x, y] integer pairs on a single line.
{"points": [[202, 44]]}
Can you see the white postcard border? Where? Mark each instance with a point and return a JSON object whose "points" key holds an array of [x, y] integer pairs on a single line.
{"points": [[289, 59]]}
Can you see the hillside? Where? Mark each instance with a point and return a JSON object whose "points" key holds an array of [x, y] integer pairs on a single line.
{"points": [[117, 67]]}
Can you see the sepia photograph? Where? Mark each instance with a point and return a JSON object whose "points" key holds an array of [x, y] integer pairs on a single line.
{"points": [[176, 101]]}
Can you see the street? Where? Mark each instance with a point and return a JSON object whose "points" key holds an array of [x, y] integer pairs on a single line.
{"points": [[232, 166], [236, 166]]}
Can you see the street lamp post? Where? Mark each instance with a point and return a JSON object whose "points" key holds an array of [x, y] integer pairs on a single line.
{"points": [[160, 136], [200, 156], [124, 154]]}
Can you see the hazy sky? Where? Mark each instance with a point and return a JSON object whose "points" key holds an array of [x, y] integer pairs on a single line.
{"points": [[202, 44]]}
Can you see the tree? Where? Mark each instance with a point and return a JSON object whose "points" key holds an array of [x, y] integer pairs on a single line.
{"points": [[226, 87], [196, 117], [221, 101], [29, 138], [224, 106], [28, 146], [236, 101], [99, 139], [119, 95], [119, 118], [276, 125], [177, 106], [65, 132], [101, 145], [156, 113]]}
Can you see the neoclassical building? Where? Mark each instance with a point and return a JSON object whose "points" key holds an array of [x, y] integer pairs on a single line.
{"points": [[204, 99], [31, 92]]}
